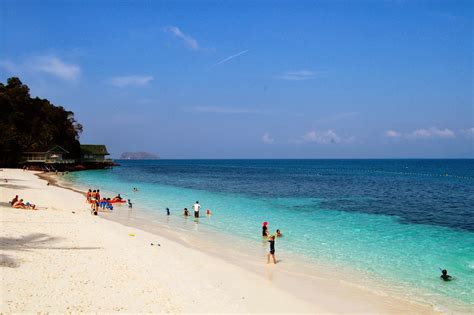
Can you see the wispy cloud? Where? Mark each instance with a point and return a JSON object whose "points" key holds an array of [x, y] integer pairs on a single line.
{"points": [[322, 137], [55, 66], [429, 133], [267, 139], [230, 58], [392, 134], [223, 110], [130, 80], [468, 132], [189, 42], [52, 65], [298, 75], [338, 117]]}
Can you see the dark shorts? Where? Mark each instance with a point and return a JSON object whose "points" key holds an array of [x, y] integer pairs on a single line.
{"points": [[272, 252], [196, 214]]}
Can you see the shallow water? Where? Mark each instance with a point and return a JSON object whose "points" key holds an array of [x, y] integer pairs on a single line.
{"points": [[396, 220]]}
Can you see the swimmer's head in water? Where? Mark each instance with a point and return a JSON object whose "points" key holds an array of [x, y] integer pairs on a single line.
{"points": [[444, 272]]}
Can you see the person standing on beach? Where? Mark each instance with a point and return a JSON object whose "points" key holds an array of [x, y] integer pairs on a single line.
{"points": [[196, 208], [271, 240]]}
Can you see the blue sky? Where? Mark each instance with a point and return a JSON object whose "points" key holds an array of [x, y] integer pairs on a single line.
{"points": [[252, 79]]}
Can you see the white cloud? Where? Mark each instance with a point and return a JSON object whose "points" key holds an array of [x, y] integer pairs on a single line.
{"points": [[190, 42], [468, 132], [266, 138], [298, 75], [47, 64], [134, 80], [57, 67], [429, 133], [10, 66], [432, 133], [393, 134], [224, 110], [230, 58], [322, 137]]}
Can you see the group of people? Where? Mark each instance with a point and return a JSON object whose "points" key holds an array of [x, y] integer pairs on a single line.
{"points": [[96, 202], [196, 210], [271, 240], [18, 203]]}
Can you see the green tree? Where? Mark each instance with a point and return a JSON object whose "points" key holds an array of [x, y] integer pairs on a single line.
{"points": [[29, 124]]}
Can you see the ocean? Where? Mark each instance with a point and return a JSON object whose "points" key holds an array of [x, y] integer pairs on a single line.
{"points": [[397, 221]]}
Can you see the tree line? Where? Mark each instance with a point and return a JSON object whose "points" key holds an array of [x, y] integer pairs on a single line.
{"points": [[33, 124]]}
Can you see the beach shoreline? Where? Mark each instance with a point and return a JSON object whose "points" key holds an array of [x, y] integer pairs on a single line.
{"points": [[330, 298]]}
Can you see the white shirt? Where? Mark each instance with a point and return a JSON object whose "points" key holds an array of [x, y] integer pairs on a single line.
{"points": [[196, 207]]}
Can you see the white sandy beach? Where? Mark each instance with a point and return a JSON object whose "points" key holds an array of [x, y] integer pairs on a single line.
{"points": [[54, 260]]}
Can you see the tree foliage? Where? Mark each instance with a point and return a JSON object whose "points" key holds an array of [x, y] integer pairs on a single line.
{"points": [[31, 124]]}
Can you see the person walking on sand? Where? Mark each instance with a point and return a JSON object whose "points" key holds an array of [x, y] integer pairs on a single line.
{"points": [[271, 240], [196, 208]]}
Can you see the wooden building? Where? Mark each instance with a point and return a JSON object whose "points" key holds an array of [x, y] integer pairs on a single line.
{"points": [[53, 155], [94, 153]]}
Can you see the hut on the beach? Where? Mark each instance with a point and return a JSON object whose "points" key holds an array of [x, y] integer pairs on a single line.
{"points": [[52, 155], [94, 153]]}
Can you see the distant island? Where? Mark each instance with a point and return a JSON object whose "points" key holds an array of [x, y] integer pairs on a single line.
{"points": [[139, 156]]}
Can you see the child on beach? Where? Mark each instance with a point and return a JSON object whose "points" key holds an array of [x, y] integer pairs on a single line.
{"points": [[186, 212], [271, 240]]}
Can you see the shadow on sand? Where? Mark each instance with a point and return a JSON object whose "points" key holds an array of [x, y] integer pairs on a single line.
{"points": [[29, 242]]}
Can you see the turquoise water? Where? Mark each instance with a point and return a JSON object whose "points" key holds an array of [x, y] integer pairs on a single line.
{"points": [[395, 220]]}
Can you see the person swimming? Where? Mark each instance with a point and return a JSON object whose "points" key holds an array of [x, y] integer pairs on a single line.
{"points": [[278, 233], [445, 276], [208, 212]]}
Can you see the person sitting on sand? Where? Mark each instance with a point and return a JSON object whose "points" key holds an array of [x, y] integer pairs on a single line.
{"points": [[186, 212], [265, 229], [271, 240], [14, 200], [278, 233], [445, 276], [30, 206], [20, 205]]}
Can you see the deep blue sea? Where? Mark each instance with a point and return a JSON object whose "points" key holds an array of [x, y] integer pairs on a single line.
{"points": [[398, 220]]}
